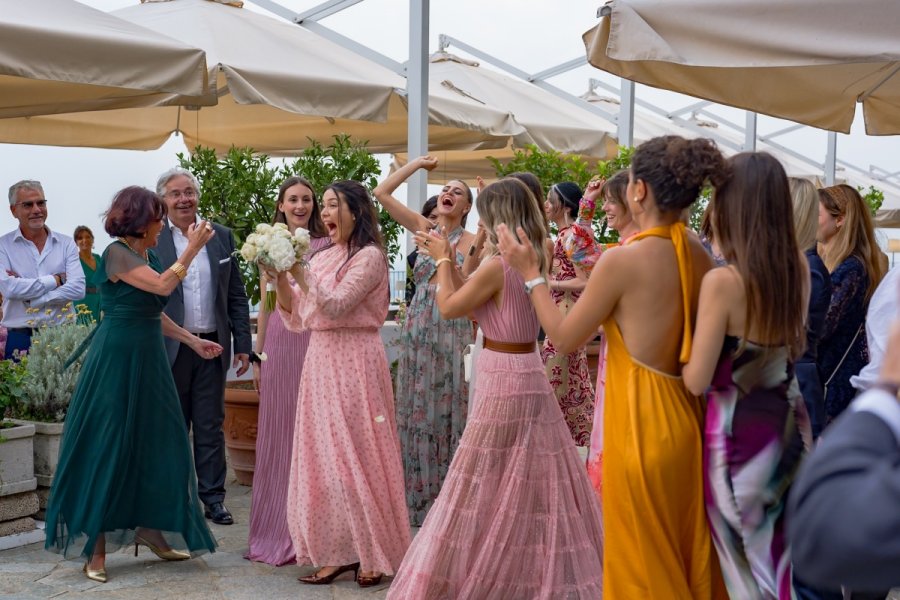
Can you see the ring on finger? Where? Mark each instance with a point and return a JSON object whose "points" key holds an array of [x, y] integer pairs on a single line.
{"points": [[426, 242]]}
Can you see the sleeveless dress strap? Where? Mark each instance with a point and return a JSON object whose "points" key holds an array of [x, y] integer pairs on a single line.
{"points": [[676, 232]]}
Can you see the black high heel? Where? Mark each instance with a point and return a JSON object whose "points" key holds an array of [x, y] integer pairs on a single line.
{"points": [[365, 582], [314, 579]]}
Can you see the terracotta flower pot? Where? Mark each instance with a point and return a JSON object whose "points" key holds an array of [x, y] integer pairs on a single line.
{"points": [[240, 427]]}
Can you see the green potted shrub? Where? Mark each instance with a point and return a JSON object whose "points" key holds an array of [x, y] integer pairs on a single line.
{"points": [[47, 385], [16, 438]]}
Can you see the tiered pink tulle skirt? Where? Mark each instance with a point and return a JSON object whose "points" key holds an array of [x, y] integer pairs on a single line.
{"points": [[516, 517]]}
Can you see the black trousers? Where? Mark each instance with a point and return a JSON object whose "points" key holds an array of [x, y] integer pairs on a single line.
{"points": [[201, 389]]}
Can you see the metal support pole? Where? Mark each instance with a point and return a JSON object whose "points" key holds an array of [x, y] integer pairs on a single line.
{"points": [[626, 113], [830, 158], [750, 131], [417, 88]]}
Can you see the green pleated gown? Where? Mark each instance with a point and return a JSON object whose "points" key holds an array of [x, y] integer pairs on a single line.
{"points": [[125, 459]]}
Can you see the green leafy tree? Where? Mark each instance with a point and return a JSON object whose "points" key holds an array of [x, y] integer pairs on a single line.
{"points": [[239, 189], [552, 167], [873, 197], [345, 159]]}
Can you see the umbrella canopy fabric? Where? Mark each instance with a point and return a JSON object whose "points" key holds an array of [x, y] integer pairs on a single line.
{"points": [[277, 85], [808, 61], [60, 55], [548, 122]]}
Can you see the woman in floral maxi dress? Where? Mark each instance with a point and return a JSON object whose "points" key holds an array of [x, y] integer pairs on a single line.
{"points": [[432, 393], [569, 375]]}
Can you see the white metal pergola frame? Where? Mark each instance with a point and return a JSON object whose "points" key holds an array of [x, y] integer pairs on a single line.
{"points": [[416, 73]]}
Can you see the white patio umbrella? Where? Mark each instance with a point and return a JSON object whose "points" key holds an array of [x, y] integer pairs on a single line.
{"points": [[60, 55], [549, 122], [278, 84], [809, 61]]}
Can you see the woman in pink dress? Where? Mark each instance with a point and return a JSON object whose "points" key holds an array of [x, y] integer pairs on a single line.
{"points": [[278, 379], [516, 517], [346, 507]]}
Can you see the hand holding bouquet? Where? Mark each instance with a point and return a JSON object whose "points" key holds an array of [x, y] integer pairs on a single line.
{"points": [[276, 248]]}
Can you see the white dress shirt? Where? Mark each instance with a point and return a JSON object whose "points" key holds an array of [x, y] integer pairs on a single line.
{"points": [[197, 287], [884, 308], [34, 285]]}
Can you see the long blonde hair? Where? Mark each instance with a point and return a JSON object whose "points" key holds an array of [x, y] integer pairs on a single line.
{"points": [[510, 201], [855, 236], [805, 199]]}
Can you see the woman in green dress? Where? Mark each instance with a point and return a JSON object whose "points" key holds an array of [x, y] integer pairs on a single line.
{"points": [[92, 265], [125, 474]]}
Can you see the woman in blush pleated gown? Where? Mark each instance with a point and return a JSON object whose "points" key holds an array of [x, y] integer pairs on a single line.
{"points": [[278, 381], [656, 539], [750, 330], [346, 507], [516, 517]]}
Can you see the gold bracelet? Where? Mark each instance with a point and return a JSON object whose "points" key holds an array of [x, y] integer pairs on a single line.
{"points": [[179, 270], [438, 262]]}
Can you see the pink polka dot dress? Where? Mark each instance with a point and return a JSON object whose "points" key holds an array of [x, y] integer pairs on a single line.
{"points": [[346, 501]]}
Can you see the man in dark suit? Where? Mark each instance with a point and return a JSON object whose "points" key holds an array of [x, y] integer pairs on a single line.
{"points": [[844, 524], [210, 302]]}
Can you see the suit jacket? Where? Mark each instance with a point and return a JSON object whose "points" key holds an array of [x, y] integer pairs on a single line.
{"points": [[232, 309], [844, 510]]}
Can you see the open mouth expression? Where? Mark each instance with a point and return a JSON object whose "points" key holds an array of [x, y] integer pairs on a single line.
{"points": [[452, 194]]}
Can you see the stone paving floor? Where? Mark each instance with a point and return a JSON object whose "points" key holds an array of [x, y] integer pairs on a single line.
{"points": [[31, 572]]}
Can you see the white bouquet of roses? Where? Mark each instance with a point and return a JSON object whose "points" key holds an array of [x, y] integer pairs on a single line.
{"points": [[275, 247]]}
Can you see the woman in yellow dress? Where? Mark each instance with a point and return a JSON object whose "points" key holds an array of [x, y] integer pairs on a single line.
{"points": [[657, 541]]}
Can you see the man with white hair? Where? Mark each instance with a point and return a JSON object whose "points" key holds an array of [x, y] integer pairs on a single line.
{"points": [[39, 269], [210, 302]]}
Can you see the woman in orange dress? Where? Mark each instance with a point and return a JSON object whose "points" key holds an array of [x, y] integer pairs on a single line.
{"points": [[657, 542]]}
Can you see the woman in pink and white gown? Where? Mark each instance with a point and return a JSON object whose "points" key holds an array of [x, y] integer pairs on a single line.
{"points": [[346, 506]]}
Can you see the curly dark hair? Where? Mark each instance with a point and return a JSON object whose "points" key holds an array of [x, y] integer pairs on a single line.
{"points": [[132, 210], [676, 169]]}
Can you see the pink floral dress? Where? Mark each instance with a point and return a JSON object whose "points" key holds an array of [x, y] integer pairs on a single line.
{"points": [[345, 494]]}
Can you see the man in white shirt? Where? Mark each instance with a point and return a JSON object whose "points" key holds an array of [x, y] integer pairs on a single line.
{"points": [[211, 302], [39, 269], [884, 309]]}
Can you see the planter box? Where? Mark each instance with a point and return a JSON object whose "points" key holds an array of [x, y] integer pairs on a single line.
{"points": [[17, 460], [47, 437], [240, 427]]}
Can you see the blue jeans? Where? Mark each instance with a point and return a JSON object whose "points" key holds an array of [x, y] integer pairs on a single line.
{"points": [[16, 340]]}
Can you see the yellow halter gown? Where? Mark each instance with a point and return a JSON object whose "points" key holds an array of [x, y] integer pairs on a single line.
{"points": [[657, 542]]}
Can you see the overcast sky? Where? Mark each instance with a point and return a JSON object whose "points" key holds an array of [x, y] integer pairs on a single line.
{"points": [[530, 34]]}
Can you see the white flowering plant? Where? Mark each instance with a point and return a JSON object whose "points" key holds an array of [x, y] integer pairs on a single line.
{"points": [[276, 247]]}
